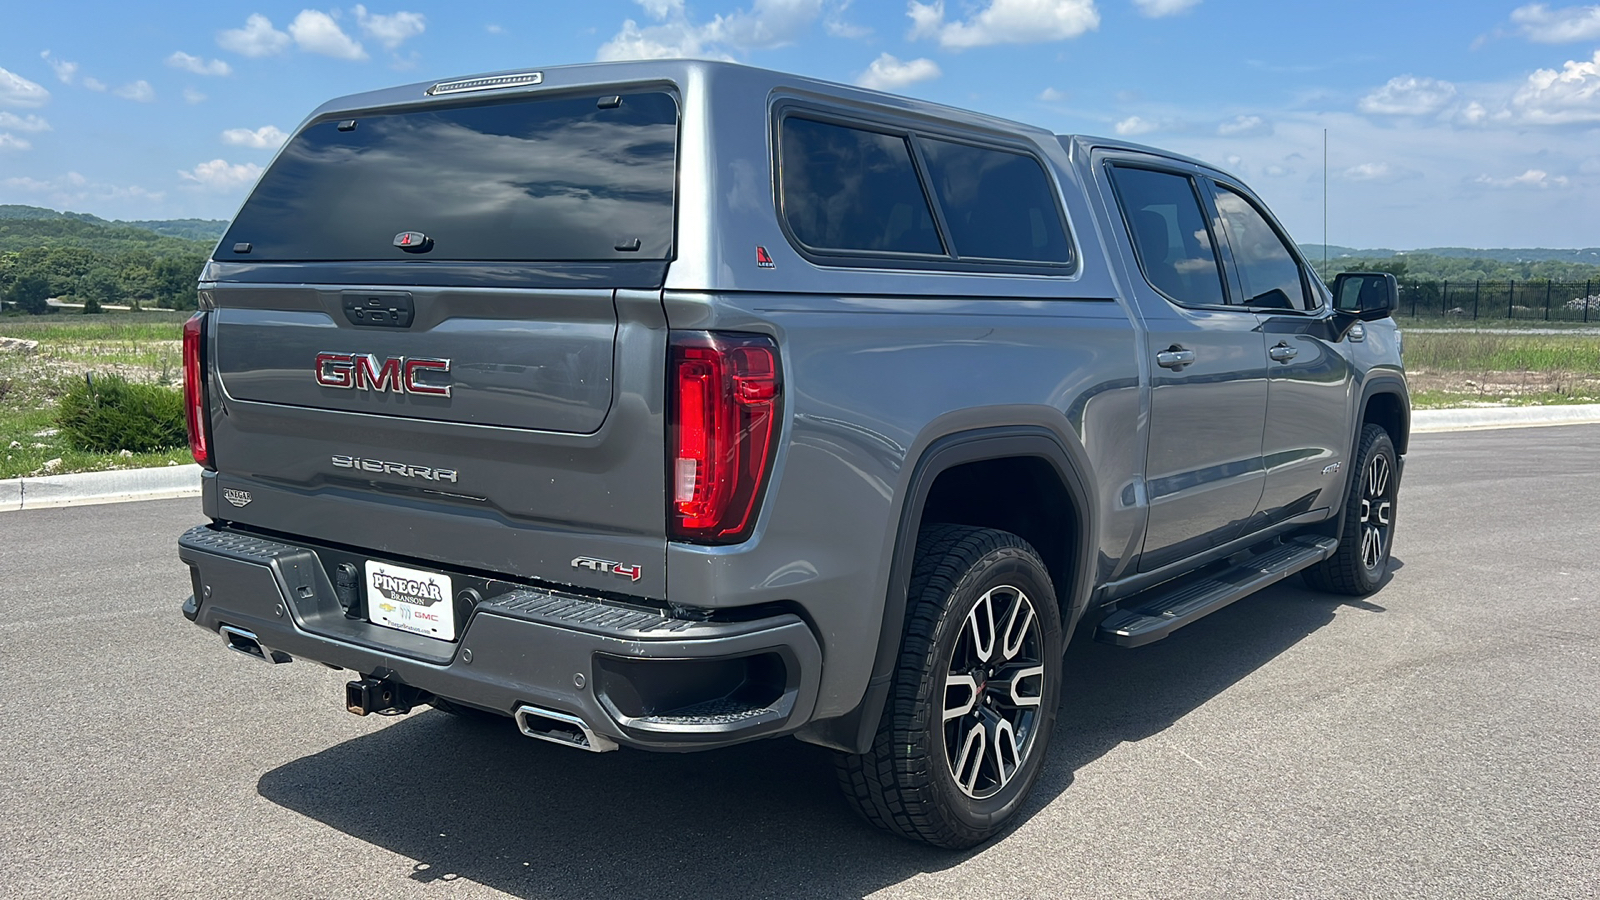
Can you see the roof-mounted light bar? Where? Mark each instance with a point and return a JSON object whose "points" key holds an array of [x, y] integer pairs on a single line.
{"points": [[490, 83]]}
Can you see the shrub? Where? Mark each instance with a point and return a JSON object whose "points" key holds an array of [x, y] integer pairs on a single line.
{"points": [[108, 414]]}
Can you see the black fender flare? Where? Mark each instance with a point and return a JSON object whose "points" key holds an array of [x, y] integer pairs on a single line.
{"points": [[854, 731], [1375, 384]]}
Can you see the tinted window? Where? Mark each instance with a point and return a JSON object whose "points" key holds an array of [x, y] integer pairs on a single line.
{"points": [[1268, 270], [851, 189], [1170, 236], [998, 205], [538, 180]]}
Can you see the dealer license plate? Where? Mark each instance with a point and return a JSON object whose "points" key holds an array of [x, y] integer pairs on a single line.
{"points": [[411, 600]]}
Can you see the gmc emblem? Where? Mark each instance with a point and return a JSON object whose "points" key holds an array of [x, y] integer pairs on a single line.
{"points": [[363, 371]]}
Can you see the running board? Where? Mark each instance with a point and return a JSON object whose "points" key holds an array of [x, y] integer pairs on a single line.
{"points": [[1170, 607]]}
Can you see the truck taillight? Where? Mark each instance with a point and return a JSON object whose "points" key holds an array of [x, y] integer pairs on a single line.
{"points": [[722, 423], [194, 389]]}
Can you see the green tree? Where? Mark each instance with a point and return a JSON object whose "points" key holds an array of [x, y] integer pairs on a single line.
{"points": [[29, 292]]}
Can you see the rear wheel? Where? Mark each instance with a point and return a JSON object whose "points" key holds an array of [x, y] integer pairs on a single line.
{"points": [[1358, 566], [974, 697]]}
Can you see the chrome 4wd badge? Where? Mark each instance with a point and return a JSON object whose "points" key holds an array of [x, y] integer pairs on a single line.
{"points": [[410, 600]]}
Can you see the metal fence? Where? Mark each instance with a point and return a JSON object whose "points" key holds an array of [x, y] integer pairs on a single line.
{"points": [[1546, 301]]}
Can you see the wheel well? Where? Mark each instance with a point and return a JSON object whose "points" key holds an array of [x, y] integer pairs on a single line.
{"points": [[1385, 411], [1023, 495]]}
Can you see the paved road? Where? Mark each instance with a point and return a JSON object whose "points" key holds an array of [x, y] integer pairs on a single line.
{"points": [[1441, 740]]}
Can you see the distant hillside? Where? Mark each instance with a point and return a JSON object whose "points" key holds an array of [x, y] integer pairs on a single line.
{"points": [[96, 235], [207, 230], [1587, 256]]}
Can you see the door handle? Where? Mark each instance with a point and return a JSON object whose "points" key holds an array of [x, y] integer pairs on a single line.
{"points": [[1283, 353], [1174, 357]]}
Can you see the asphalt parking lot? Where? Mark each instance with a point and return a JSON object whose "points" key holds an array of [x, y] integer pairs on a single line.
{"points": [[1439, 739]]}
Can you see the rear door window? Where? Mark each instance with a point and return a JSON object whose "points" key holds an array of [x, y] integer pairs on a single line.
{"points": [[854, 190], [1176, 250], [1267, 269], [573, 178], [997, 204]]}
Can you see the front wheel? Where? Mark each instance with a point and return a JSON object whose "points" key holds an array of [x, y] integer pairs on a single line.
{"points": [[973, 702], [1358, 566]]}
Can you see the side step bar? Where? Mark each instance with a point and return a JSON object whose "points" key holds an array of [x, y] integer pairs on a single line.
{"points": [[1166, 608]]}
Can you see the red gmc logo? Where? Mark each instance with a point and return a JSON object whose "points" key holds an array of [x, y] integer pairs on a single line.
{"points": [[363, 371]]}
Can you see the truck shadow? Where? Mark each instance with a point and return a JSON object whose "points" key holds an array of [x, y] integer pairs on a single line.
{"points": [[477, 801]]}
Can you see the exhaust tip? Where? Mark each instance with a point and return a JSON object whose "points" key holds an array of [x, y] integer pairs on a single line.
{"points": [[561, 728], [247, 643]]}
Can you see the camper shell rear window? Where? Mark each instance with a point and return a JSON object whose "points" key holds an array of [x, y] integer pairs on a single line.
{"points": [[571, 178]]}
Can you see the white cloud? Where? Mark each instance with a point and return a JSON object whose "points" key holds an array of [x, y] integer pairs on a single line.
{"points": [[140, 92], [14, 122], [94, 84], [192, 96], [1005, 22], [267, 137], [391, 30], [1051, 95], [12, 142], [1244, 126], [1133, 126], [1558, 26], [887, 73], [1473, 113], [1569, 96], [836, 26], [662, 9], [65, 71], [197, 65], [18, 91], [1408, 95], [767, 23], [1382, 173], [656, 42], [317, 32], [256, 39], [494, 29], [1533, 178], [221, 175], [1155, 9], [72, 190]]}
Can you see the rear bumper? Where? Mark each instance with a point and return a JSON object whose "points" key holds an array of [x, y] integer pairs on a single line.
{"points": [[634, 676]]}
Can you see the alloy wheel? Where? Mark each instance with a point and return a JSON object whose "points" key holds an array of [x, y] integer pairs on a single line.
{"points": [[992, 692], [1377, 510]]}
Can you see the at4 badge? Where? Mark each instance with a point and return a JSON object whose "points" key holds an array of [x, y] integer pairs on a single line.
{"points": [[606, 566]]}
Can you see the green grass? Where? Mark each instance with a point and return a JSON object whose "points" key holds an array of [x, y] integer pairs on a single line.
{"points": [[1456, 323], [1480, 352], [1456, 399], [30, 429], [143, 347], [66, 327]]}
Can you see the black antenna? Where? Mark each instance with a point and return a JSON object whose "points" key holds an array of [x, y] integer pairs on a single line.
{"points": [[1324, 204]]}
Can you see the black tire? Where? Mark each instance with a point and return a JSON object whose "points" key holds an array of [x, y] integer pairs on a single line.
{"points": [[908, 783], [1358, 566]]}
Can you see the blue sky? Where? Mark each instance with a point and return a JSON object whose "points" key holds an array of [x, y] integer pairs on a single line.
{"points": [[1471, 123]]}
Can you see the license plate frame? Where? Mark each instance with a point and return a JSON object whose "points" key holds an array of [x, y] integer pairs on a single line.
{"points": [[416, 601]]}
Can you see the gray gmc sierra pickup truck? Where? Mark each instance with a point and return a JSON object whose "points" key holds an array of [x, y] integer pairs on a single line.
{"points": [[673, 404]]}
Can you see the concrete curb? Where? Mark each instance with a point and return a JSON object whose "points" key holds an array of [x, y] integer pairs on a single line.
{"points": [[99, 487], [184, 481], [1428, 421]]}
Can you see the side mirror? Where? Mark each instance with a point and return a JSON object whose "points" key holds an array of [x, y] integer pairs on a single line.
{"points": [[1368, 296]]}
